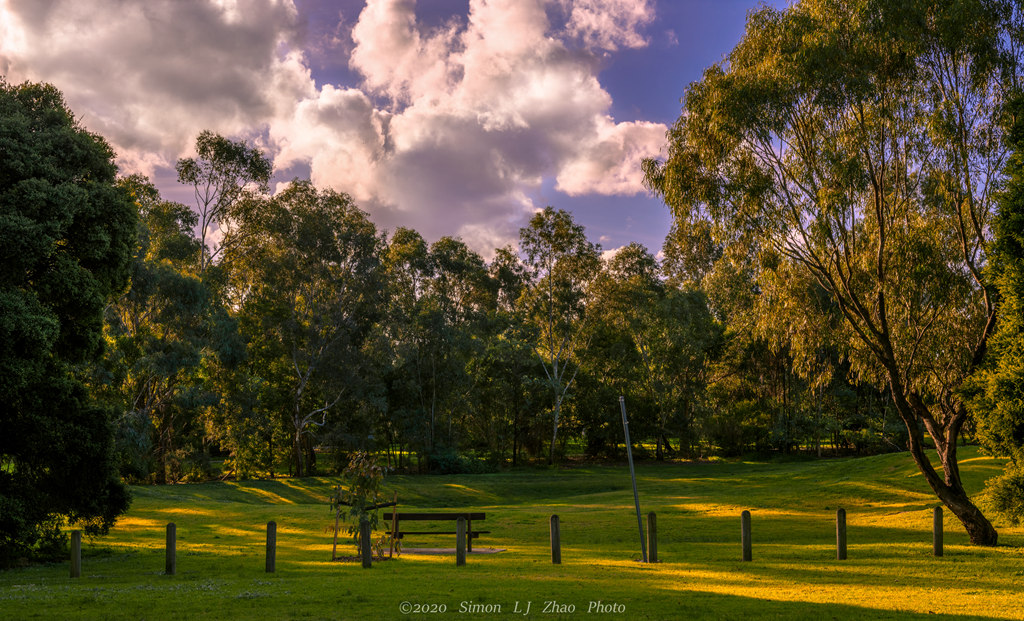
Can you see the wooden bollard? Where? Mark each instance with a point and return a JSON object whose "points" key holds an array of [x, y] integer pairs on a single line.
{"points": [[556, 541], [366, 550], [271, 546], [460, 541], [841, 534], [76, 554], [171, 564], [745, 535], [652, 538], [937, 531]]}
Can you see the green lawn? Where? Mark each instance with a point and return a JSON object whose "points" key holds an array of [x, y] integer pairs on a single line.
{"points": [[890, 572]]}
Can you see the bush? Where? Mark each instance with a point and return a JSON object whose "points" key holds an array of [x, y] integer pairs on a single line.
{"points": [[448, 461], [1004, 495]]}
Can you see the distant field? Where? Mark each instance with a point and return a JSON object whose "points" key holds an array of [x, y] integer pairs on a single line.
{"points": [[890, 572]]}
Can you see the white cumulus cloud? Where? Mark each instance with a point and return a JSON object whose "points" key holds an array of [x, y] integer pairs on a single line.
{"points": [[450, 128]]}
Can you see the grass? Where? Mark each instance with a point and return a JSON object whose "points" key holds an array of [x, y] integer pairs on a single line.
{"points": [[889, 574]]}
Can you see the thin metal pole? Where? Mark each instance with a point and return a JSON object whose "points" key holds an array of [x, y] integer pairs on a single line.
{"points": [[632, 474]]}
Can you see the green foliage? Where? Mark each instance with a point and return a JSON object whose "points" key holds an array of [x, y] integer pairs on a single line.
{"points": [[561, 262], [161, 335], [853, 146], [306, 283], [221, 176], [1004, 494], [998, 387], [358, 498], [448, 461], [66, 236]]}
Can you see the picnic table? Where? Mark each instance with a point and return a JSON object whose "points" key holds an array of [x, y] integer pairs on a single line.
{"points": [[396, 519]]}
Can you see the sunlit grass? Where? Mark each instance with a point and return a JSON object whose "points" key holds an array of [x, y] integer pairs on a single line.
{"points": [[221, 534]]}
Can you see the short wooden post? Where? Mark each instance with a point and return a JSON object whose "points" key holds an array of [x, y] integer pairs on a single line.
{"points": [[460, 541], [841, 534], [271, 546], [556, 541], [652, 538], [171, 565], [364, 543], [745, 535], [937, 531], [76, 554]]}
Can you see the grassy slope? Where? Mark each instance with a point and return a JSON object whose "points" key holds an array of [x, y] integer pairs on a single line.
{"points": [[890, 571]]}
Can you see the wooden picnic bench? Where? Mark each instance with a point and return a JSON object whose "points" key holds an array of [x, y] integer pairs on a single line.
{"points": [[396, 520]]}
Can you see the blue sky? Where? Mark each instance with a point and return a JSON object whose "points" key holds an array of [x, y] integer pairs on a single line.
{"points": [[454, 117]]}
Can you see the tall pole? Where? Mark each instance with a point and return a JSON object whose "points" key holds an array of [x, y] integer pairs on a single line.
{"points": [[632, 475]]}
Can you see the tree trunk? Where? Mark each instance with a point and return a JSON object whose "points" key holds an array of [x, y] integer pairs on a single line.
{"points": [[297, 453], [949, 489], [554, 434], [310, 454]]}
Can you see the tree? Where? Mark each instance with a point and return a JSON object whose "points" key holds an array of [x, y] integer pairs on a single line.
{"points": [[504, 371], [307, 282], [162, 336], [671, 330], [220, 177], [561, 263], [858, 141], [67, 234], [998, 399]]}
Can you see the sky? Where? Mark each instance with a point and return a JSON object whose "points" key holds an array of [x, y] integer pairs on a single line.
{"points": [[452, 117]]}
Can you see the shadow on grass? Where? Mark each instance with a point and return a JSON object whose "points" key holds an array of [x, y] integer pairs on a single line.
{"points": [[704, 605]]}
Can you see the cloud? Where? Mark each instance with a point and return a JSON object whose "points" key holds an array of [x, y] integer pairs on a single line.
{"points": [[474, 116], [609, 254], [610, 24], [149, 76], [608, 160], [451, 129]]}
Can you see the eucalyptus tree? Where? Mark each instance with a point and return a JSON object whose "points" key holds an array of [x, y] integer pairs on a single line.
{"points": [[67, 235], [504, 369], [307, 282], [460, 296], [858, 141], [438, 297], [672, 331], [561, 264], [221, 176], [157, 334], [401, 346]]}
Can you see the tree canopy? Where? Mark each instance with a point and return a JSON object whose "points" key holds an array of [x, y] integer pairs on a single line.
{"points": [[67, 233], [857, 143]]}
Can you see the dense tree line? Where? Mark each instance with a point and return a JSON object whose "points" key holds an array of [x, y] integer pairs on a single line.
{"points": [[305, 333], [846, 241]]}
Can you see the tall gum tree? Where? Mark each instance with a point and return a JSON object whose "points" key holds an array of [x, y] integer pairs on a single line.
{"points": [[858, 141], [223, 174], [561, 263], [307, 282]]}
